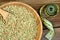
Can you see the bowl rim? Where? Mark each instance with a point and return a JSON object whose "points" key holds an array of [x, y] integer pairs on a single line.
{"points": [[40, 28]]}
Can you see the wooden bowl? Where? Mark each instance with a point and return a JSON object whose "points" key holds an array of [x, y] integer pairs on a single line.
{"points": [[38, 19]]}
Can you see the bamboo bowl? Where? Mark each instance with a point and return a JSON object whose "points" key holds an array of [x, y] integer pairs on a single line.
{"points": [[39, 30]]}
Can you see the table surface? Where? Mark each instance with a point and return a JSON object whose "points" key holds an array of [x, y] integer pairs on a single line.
{"points": [[36, 4]]}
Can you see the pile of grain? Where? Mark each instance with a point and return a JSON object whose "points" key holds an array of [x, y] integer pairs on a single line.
{"points": [[20, 24]]}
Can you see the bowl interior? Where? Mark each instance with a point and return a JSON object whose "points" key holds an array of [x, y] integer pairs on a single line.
{"points": [[39, 30]]}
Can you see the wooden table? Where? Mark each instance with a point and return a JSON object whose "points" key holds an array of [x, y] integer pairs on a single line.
{"points": [[36, 4]]}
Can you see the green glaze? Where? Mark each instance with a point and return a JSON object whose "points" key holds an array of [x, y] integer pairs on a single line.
{"points": [[51, 9]]}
